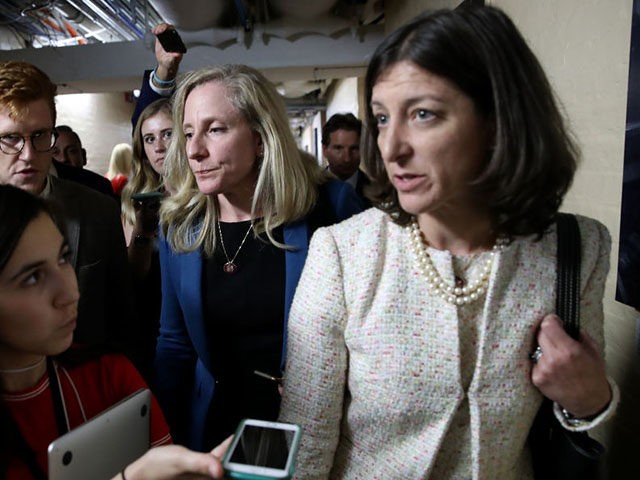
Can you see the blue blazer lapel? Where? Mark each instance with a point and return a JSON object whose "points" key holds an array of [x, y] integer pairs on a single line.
{"points": [[295, 235], [191, 292]]}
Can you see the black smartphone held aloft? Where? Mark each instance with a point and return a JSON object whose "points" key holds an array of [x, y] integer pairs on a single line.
{"points": [[262, 450], [171, 41]]}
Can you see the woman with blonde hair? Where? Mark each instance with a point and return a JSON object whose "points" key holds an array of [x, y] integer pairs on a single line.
{"points": [[235, 236], [151, 137], [119, 167]]}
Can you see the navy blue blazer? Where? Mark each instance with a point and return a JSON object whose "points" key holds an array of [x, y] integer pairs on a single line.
{"points": [[146, 97], [184, 384]]}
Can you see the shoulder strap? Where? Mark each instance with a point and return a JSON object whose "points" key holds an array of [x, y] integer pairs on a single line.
{"points": [[568, 278]]}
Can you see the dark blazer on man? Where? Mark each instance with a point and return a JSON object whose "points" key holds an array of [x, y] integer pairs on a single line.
{"points": [[98, 253], [147, 96], [362, 181], [85, 177]]}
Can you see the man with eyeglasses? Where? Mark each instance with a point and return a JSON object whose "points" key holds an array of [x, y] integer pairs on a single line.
{"points": [[92, 220]]}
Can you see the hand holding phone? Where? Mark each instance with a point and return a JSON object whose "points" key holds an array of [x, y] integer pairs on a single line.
{"points": [[262, 450], [147, 210], [171, 41]]}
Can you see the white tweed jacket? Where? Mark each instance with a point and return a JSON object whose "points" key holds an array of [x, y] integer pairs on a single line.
{"points": [[390, 382]]}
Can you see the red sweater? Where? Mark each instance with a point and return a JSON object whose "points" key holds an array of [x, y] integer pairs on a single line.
{"points": [[87, 390]]}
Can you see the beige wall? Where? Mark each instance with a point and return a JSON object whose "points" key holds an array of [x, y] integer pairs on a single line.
{"points": [[343, 98], [101, 120], [584, 47]]}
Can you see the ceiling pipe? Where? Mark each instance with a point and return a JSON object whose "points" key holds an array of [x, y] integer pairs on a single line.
{"points": [[116, 9], [106, 18], [92, 24], [69, 12]]}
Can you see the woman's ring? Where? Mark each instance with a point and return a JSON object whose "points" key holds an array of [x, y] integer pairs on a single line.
{"points": [[535, 356]]}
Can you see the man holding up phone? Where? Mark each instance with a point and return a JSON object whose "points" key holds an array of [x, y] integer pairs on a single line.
{"points": [[161, 81]]}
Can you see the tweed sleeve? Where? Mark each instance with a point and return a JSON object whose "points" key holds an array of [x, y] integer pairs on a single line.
{"points": [[317, 358], [596, 248]]}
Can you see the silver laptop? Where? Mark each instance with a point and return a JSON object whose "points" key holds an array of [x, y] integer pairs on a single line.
{"points": [[101, 447]]}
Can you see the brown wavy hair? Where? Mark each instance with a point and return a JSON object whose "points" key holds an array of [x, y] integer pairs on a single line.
{"points": [[532, 162]]}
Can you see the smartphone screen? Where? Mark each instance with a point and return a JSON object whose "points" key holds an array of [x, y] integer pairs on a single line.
{"points": [[263, 447], [262, 450], [171, 41]]}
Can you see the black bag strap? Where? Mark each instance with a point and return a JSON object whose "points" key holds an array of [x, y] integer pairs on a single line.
{"points": [[568, 278]]}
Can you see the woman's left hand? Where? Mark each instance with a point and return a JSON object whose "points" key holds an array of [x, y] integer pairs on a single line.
{"points": [[569, 372]]}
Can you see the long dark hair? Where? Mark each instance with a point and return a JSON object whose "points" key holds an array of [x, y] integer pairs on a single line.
{"points": [[479, 49], [17, 209]]}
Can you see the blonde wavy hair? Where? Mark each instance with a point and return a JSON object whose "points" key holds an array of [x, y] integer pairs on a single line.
{"points": [[286, 188], [143, 177]]}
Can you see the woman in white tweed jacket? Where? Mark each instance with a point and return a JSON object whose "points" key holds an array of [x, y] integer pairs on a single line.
{"points": [[412, 326]]}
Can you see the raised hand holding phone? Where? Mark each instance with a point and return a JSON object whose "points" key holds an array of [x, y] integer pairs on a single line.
{"points": [[168, 61], [171, 41]]}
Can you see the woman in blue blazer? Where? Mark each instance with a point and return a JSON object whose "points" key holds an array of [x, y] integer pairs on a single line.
{"points": [[235, 237]]}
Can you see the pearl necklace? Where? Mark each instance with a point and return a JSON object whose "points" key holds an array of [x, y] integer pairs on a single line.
{"points": [[438, 286]]}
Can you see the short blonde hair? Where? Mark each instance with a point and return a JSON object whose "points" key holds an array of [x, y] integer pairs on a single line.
{"points": [[120, 161], [286, 187], [143, 177]]}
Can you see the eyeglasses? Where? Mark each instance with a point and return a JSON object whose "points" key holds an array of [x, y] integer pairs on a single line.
{"points": [[43, 141]]}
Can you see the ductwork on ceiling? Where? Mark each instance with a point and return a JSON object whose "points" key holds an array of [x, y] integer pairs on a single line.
{"points": [[73, 22], [68, 22], [214, 24]]}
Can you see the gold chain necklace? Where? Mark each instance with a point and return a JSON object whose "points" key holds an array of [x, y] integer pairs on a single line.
{"points": [[452, 293], [231, 267]]}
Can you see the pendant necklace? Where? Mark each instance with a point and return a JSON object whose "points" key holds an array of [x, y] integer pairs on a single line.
{"points": [[231, 267], [460, 292]]}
